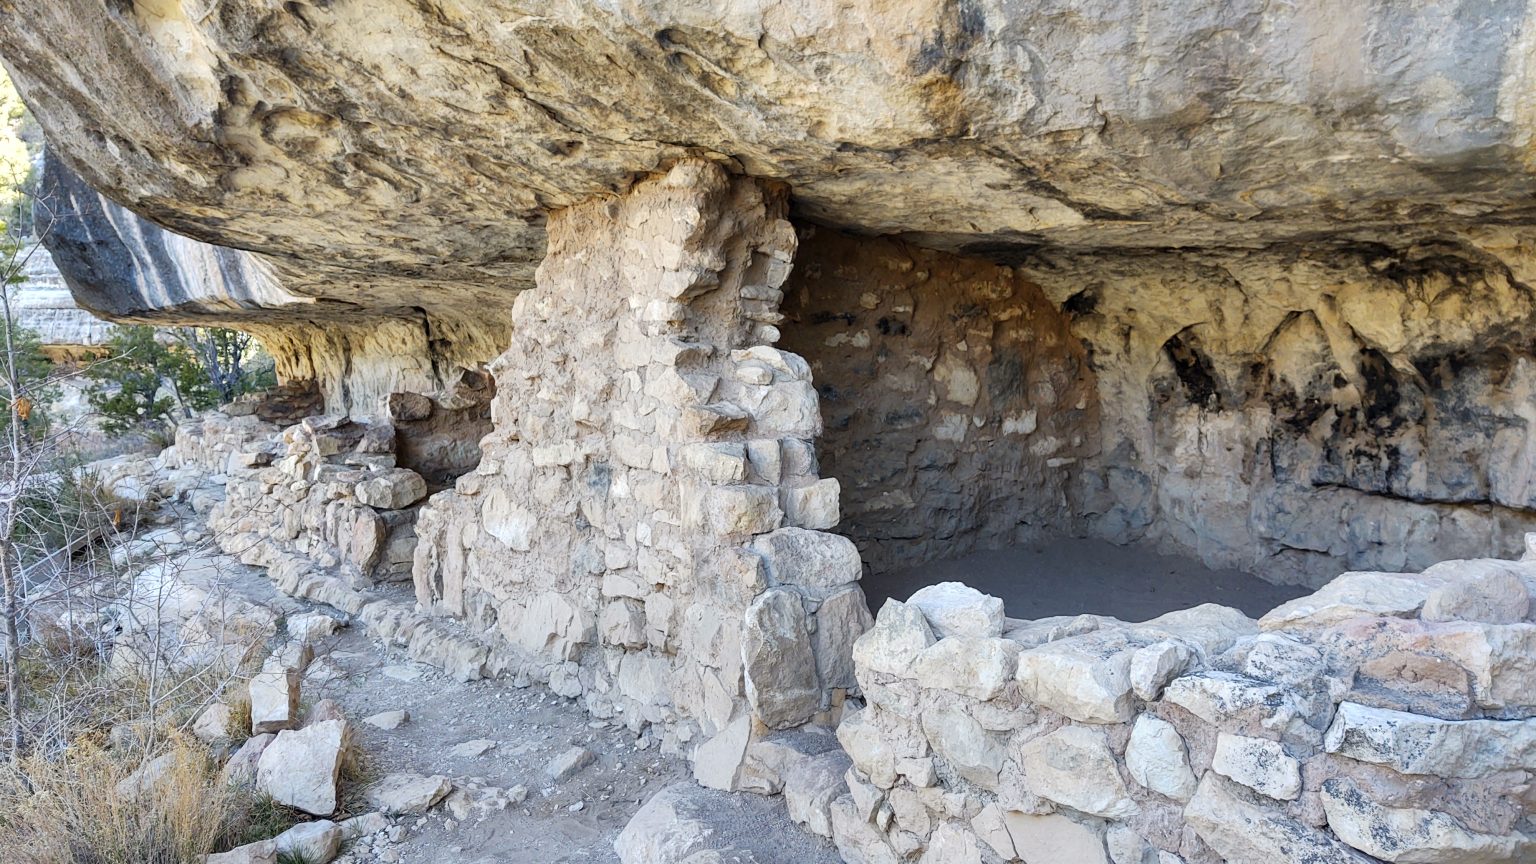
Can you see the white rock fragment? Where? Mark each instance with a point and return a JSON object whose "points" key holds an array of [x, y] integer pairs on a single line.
{"points": [[1073, 766], [566, 763], [388, 720], [1157, 758], [1260, 764], [1415, 744], [301, 767], [956, 609], [893, 644], [403, 793]]}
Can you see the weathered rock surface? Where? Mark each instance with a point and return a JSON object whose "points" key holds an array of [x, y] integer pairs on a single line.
{"points": [[398, 794], [301, 767], [1007, 127]]}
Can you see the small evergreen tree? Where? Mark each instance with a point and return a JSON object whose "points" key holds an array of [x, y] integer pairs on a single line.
{"points": [[234, 361], [145, 382]]}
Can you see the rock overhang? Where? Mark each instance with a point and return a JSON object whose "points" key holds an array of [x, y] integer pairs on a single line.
{"points": [[416, 149]]}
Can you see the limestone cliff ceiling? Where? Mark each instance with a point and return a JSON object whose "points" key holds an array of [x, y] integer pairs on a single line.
{"points": [[378, 150]]}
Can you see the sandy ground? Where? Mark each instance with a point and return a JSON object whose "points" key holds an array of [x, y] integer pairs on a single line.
{"points": [[1072, 577]]}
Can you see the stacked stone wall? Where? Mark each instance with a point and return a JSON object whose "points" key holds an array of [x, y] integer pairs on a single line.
{"points": [[322, 500], [645, 530], [958, 404], [1388, 716]]}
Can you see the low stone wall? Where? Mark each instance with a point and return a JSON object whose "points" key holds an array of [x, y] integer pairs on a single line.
{"points": [[215, 438], [1387, 714], [322, 495]]}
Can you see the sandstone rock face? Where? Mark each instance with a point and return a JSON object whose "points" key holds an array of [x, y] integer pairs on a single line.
{"points": [[1349, 729], [1011, 128]]}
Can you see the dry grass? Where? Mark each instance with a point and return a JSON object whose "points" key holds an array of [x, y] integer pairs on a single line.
{"points": [[76, 813], [79, 812]]}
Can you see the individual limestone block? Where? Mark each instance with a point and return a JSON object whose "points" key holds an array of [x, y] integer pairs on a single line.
{"points": [[779, 661], [1086, 678], [312, 842], [301, 767], [1153, 666], [715, 462], [1498, 657], [1258, 763], [957, 609], [1411, 834], [622, 622], [1484, 590], [814, 506], [1157, 758], [952, 843], [507, 520], [397, 794], [811, 785], [840, 620], [1240, 830], [393, 489], [217, 723], [978, 668], [741, 511], [1415, 744], [718, 761], [274, 693], [260, 852], [971, 751], [1236, 703], [1054, 839], [240, 768], [865, 744], [1279, 658], [992, 829], [1073, 766], [1354, 595], [311, 627], [566, 763], [813, 560], [388, 720], [892, 645]]}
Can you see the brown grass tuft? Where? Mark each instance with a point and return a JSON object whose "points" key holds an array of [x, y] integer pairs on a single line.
{"points": [[78, 814]]}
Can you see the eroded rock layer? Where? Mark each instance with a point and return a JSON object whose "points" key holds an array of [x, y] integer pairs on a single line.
{"points": [[404, 145]]}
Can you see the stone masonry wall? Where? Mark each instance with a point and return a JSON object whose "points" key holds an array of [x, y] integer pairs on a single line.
{"points": [[1389, 714], [645, 528], [957, 402], [321, 501]]}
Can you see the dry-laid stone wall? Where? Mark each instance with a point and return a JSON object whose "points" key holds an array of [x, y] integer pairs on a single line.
{"points": [[957, 402], [323, 496], [645, 529], [1388, 716]]}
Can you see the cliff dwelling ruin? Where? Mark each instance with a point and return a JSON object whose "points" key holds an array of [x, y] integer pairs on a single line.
{"points": [[1110, 429]]}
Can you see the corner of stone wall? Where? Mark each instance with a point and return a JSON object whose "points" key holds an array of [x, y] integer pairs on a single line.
{"points": [[646, 528]]}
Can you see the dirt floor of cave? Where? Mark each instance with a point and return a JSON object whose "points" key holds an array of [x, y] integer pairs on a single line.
{"points": [[1067, 576]]}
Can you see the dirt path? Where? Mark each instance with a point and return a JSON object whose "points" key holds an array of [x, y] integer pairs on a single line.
{"points": [[575, 820]]}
